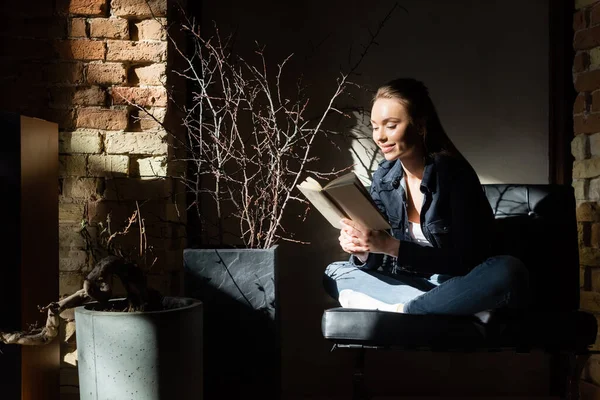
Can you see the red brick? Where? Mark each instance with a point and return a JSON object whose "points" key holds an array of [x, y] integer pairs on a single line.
{"points": [[101, 118], [579, 105], [82, 49], [151, 75], [588, 212], [581, 61], [579, 20], [591, 124], [587, 38], [587, 81], [595, 16], [583, 234], [145, 97], [122, 50], [64, 118], [588, 168], [111, 28], [119, 211], [584, 278], [595, 235], [589, 256], [147, 122], [589, 301], [54, 28], [106, 73], [596, 101], [135, 189], [77, 28], [152, 29], [83, 96], [65, 72], [88, 7], [139, 8]]}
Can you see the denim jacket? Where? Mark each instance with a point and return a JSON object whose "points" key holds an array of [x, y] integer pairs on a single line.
{"points": [[456, 218]]}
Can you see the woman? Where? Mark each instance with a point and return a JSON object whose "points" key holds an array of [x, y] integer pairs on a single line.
{"points": [[438, 258]]}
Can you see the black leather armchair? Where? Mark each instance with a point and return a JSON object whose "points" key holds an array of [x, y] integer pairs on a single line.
{"points": [[535, 223]]}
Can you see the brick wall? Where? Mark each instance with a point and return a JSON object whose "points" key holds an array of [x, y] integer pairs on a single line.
{"points": [[585, 148], [77, 63]]}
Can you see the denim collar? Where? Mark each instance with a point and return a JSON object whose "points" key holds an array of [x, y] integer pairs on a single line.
{"points": [[429, 181], [396, 174]]}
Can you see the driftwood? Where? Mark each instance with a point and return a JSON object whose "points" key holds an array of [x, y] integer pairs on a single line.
{"points": [[96, 287]]}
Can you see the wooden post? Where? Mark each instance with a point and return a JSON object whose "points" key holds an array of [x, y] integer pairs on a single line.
{"points": [[29, 249]]}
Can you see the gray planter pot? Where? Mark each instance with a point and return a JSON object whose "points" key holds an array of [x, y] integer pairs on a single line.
{"points": [[241, 331], [140, 355]]}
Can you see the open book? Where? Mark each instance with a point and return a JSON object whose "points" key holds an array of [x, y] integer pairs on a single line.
{"points": [[344, 197]]}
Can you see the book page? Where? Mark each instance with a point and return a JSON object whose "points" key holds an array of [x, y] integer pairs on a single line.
{"points": [[353, 199], [342, 181], [310, 183], [318, 199]]}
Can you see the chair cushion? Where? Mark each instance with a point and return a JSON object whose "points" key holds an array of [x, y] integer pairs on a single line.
{"points": [[556, 330], [537, 224], [380, 328]]}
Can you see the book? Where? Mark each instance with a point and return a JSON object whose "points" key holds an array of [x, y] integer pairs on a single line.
{"points": [[344, 197]]}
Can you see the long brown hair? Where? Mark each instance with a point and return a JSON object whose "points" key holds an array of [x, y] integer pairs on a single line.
{"points": [[414, 95]]}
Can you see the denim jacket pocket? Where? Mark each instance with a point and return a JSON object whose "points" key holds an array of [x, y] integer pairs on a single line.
{"points": [[441, 232], [397, 227]]}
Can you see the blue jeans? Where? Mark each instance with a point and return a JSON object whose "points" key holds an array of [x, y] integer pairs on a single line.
{"points": [[500, 281]]}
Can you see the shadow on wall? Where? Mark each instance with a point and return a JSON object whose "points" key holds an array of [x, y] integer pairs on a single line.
{"points": [[241, 325]]}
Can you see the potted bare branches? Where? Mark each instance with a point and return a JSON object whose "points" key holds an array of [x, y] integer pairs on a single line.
{"points": [[249, 135], [249, 142]]}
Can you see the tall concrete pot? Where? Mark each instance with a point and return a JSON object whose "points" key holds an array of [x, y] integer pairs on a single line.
{"points": [[141, 355], [241, 336]]}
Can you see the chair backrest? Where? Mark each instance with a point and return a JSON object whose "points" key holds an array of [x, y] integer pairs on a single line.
{"points": [[537, 224]]}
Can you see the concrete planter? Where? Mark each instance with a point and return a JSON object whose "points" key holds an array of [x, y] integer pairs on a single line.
{"points": [[141, 355], [241, 335]]}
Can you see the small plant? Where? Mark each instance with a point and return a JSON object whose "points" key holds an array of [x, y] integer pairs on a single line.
{"points": [[112, 261]]}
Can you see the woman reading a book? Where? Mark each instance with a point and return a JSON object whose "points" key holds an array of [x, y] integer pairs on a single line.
{"points": [[437, 258]]}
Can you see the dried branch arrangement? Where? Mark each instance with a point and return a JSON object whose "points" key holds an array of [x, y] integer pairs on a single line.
{"points": [[249, 144], [250, 135]]}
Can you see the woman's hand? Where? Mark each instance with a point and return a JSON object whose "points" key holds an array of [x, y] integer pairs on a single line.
{"points": [[357, 239], [351, 244]]}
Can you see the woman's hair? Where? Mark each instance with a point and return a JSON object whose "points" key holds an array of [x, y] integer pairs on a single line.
{"points": [[423, 116]]}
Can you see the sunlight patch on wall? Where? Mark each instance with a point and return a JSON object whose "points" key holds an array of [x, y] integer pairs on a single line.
{"points": [[365, 154]]}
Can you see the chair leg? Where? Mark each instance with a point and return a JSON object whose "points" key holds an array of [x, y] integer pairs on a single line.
{"points": [[359, 390], [575, 363]]}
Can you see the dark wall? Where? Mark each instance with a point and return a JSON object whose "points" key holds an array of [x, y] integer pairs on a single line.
{"points": [[485, 63]]}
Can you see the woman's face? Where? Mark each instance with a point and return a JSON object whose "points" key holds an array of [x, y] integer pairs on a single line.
{"points": [[392, 130]]}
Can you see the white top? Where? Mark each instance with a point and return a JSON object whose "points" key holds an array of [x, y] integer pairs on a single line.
{"points": [[417, 234]]}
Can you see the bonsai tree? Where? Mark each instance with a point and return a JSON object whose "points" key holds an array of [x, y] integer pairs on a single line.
{"points": [[98, 284]]}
